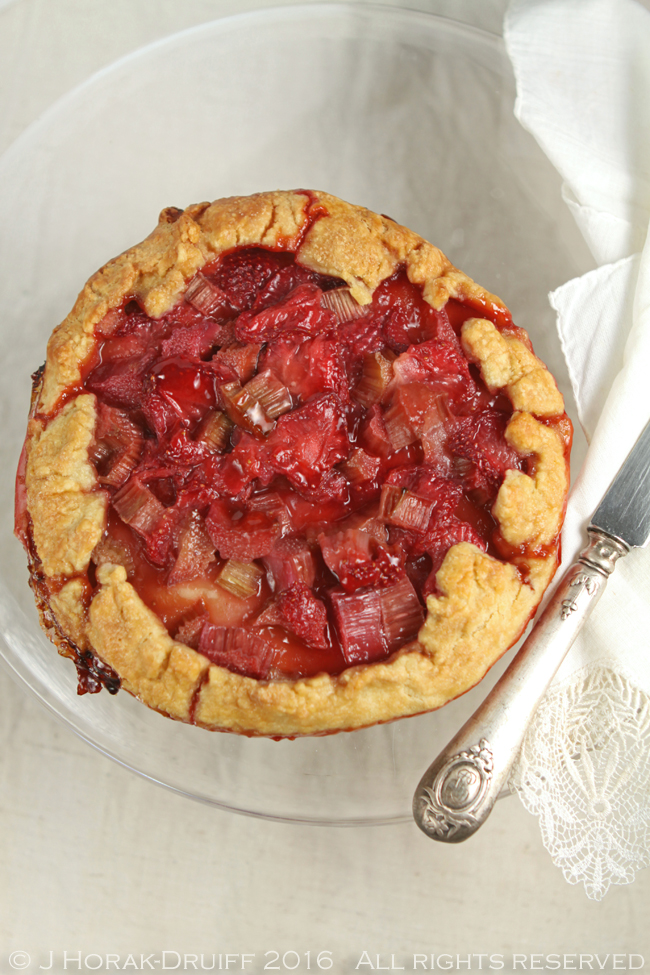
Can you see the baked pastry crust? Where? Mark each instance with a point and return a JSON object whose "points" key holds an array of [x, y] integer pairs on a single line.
{"points": [[483, 604]]}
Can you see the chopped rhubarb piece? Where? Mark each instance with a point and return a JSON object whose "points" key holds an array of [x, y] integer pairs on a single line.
{"points": [[359, 626], [301, 311], [308, 442], [208, 298], [376, 374], [437, 425], [115, 551], [214, 431], [242, 651], [390, 495], [291, 561], [357, 559], [401, 614], [242, 535], [189, 630], [245, 411], [270, 393], [240, 578], [367, 521], [236, 362], [411, 512], [420, 406], [345, 307], [137, 506], [360, 466], [195, 551], [272, 505], [398, 426], [118, 445], [301, 612]]}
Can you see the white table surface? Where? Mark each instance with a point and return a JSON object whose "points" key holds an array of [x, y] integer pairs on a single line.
{"points": [[99, 862]]}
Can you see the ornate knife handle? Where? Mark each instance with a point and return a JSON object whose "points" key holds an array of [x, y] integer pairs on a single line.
{"points": [[456, 794]]}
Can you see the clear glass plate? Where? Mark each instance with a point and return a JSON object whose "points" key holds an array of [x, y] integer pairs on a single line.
{"points": [[408, 114]]}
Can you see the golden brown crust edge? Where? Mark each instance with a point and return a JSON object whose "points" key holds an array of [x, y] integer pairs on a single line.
{"points": [[483, 605]]}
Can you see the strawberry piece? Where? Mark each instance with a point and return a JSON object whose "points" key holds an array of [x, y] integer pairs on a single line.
{"points": [[195, 341], [162, 418], [242, 275], [373, 435], [426, 482], [241, 651], [310, 512], [441, 366], [286, 279], [439, 541], [120, 382], [358, 622], [307, 443], [246, 463], [308, 367], [408, 318], [301, 311], [480, 439], [242, 535], [185, 387], [357, 559], [301, 612]]}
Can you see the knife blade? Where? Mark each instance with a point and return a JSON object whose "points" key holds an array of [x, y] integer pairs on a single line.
{"points": [[457, 792], [624, 511]]}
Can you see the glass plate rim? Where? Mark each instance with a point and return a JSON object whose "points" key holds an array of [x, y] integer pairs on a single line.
{"points": [[220, 26]]}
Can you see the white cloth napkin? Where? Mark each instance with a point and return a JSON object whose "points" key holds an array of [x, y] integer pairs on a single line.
{"points": [[583, 90]]}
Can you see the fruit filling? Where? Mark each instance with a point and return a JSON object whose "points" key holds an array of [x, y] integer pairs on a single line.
{"points": [[287, 468]]}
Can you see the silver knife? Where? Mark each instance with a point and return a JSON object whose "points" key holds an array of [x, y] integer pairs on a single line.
{"points": [[456, 794]]}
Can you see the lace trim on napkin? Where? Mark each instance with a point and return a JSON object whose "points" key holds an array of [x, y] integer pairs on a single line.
{"points": [[584, 769]]}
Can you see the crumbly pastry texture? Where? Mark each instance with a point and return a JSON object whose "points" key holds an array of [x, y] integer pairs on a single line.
{"points": [[481, 604]]}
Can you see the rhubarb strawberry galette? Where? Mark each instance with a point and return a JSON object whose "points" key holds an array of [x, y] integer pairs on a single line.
{"points": [[288, 471]]}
